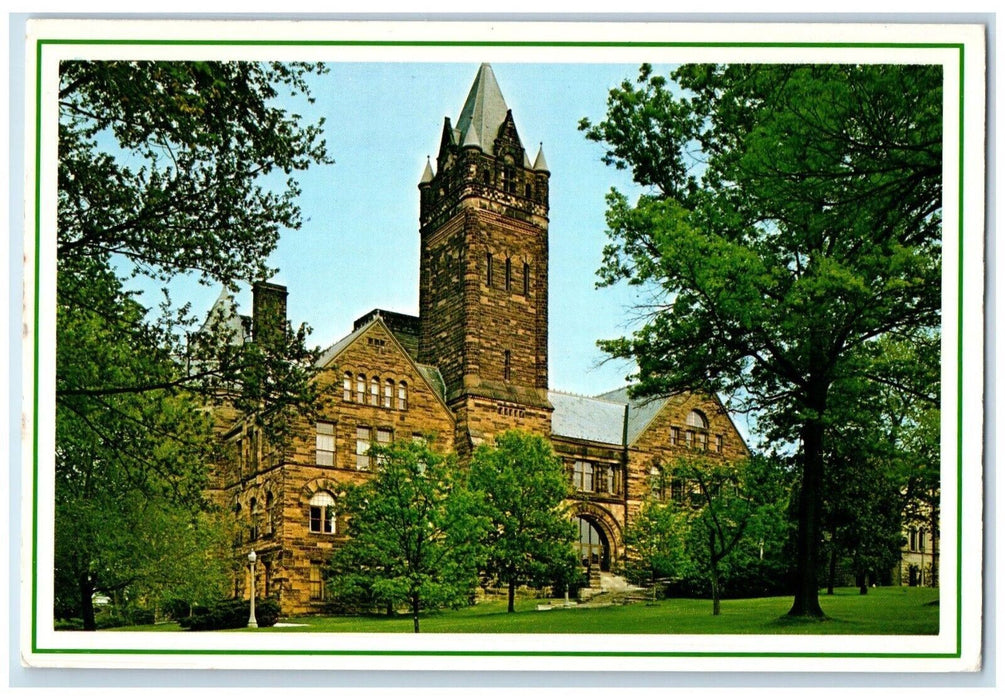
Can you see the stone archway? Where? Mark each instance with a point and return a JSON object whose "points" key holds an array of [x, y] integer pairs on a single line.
{"points": [[599, 537]]}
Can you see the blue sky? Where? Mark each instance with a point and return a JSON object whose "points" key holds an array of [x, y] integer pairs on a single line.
{"points": [[358, 248]]}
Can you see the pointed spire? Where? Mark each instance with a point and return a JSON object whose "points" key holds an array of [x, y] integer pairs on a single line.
{"points": [[483, 112], [540, 164], [427, 173]]}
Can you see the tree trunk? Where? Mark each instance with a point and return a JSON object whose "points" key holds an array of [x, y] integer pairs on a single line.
{"points": [[806, 602], [715, 591], [86, 587], [832, 571], [415, 613], [512, 595], [863, 584]]}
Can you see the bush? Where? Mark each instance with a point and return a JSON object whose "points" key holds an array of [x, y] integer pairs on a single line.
{"points": [[231, 614]]}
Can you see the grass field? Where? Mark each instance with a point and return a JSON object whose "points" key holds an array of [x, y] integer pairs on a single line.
{"points": [[900, 611]]}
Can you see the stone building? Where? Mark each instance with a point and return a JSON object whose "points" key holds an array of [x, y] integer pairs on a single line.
{"points": [[471, 365]]}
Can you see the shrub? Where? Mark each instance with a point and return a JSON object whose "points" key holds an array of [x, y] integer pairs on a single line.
{"points": [[231, 614]]}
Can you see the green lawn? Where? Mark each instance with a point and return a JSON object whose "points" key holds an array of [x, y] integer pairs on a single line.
{"points": [[908, 611]]}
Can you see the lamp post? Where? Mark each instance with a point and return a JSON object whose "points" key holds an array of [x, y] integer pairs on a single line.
{"points": [[252, 622]]}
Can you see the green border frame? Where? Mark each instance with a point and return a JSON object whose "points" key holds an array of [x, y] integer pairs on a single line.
{"points": [[960, 47]]}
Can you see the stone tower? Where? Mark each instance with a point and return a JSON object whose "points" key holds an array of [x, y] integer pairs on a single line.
{"points": [[483, 281]]}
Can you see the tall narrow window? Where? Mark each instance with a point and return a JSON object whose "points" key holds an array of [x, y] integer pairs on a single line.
{"points": [[677, 490], [317, 587], [509, 274], [375, 391], [270, 517], [674, 436], [362, 448], [582, 475], [402, 396], [526, 279], [488, 269], [360, 389], [347, 387], [383, 440], [689, 438], [506, 365], [718, 443], [325, 445], [388, 393]]}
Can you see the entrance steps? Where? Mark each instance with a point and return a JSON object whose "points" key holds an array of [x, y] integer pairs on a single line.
{"points": [[610, 589]]}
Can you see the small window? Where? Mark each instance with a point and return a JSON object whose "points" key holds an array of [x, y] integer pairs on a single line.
{"points": [[347, 387], [488, 269], [362, 448], [702, 439], [360, 389], [921, 540], [375, 391], [509, 274], [388, 393], [322, 514], [325, 445], [506, 365], [402, 396], [689, 438], [718, 443], [526, 191], [526, 280], [674, 436], [677, 490]]}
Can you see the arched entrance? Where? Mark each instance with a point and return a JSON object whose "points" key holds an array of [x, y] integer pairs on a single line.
{"points": [[594, 548]]}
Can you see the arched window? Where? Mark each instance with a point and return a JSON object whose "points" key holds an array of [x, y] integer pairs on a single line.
{"points": [[696, 419], [388, 393], [322, 518], [402, 396], [360, 389], [347, 387], [375, 391], [253, 514]]}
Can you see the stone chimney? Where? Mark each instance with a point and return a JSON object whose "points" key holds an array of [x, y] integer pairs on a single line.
{"points": [[268, 312]]}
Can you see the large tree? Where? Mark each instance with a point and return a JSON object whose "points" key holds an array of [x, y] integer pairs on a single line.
{"points": [[791, 220], [166, 169], [524, 487], [415, 533]]}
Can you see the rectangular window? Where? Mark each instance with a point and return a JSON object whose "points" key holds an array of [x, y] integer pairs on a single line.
{"points": [[388, 393], [674, 436], [526, 280], [325, 443], [360, 389], [488, 269], [582, 476], [509, 274], [316, 583], [362, 448], [384, 437], [718, 443], [347, 387], [689, 438], [702, 441], [374, 391], [402, 396], [677, 490]]}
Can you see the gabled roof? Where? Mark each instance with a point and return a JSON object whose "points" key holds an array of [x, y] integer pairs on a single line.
{"points": [[587, 418], [483, 112], [429, 374]]}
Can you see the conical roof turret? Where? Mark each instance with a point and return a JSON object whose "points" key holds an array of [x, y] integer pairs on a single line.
{"points": [[427, 173], [540, 164], [483, 112]]}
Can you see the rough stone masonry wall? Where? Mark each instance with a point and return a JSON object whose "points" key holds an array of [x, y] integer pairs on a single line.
{"points": [[653, 447], [291, 549]]}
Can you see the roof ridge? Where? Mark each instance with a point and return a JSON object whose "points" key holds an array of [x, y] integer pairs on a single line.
{"points": [[586, 396]]}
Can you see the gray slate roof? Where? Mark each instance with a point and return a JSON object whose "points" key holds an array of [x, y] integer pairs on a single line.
{"points": [[640, 411], [587, 418], [483, 112], [224, 311]]}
